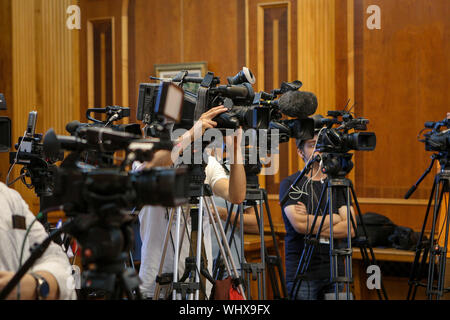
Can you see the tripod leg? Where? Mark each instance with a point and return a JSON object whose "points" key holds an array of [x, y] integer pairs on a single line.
{"points": [[199, 243], [177, 249], [263, 250], [368, 245], [438, 199], [277, 252], [333, 257], [217, 273], [350, 223], [226, 251], [308, 249], [443, 256], [163, 253], [243, 260], [415, 273]]}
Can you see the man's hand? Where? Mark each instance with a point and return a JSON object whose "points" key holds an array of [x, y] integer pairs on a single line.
{"points": [[300, 208], [234, 140], [196, 132], [205, 121], [27, 286]]}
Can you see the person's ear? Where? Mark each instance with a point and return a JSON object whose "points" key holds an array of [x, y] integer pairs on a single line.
{"points": [[301, 154]]}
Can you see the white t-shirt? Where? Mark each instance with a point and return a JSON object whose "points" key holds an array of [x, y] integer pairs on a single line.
{"points": [[153, 223], [54, 260]]}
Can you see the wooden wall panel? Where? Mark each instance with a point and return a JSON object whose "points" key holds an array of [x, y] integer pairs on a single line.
{"points": [[113, 78], [402, 73], [190, 31], [44, 71], [56, 67], [316, 50], [6, 85], [155, 39], [210, 33]]}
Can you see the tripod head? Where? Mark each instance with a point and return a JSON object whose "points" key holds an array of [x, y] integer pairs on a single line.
{"points": [[252, 170], [444, 162], [336, 165]]}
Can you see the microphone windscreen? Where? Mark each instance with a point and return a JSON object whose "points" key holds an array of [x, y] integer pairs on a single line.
{"points": [[298, 104], [72, 126]]}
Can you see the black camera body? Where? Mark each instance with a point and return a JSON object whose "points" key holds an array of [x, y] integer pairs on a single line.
{"points": [[335, 143], [39, 168], [437, 139], [5, 128], [338, 140], [113, 113]]}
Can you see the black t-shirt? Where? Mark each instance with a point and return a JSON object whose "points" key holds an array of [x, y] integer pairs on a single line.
{"points": [[308, 192]]}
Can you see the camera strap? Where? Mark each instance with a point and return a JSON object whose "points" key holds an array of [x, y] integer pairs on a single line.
{"points": [[201, 102]]}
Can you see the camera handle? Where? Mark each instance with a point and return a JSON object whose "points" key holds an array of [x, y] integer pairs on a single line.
{"points": [[427, 171]]}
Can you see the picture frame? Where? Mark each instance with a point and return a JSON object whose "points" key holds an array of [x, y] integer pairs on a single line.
{"points": [[195, 69]]}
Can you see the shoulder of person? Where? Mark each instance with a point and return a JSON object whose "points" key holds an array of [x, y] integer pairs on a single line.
{"points": [[6, 191], [288, 180], [12, 197]]}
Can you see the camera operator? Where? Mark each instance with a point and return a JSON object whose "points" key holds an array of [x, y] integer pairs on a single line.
{"points": [[154, 220], [49, 277], [250, 221], [298, 215]]}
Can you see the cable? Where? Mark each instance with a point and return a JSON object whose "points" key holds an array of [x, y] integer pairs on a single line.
{"points": [[303, 190], [16, 179], [15, 160], [38, 216]]}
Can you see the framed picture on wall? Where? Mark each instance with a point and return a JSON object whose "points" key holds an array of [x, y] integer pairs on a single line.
{"points": [[195, 69]]}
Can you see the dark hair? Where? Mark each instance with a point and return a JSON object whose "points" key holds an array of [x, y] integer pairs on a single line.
{"points": [[300, 144]]}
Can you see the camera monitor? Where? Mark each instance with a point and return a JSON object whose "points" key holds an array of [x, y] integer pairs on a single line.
{"points": [[170, 101], [165, 99]]}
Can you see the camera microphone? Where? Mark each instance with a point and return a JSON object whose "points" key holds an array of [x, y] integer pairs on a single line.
{"points": [[31, 126], [298, 104]]}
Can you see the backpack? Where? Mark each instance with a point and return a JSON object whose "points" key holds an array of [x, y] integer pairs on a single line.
{"points": [[379, 228], [225, 289], [404, 238]]}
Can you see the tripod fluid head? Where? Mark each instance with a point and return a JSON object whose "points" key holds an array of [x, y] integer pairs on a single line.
{"points": [[336, 165], [444, 162]]}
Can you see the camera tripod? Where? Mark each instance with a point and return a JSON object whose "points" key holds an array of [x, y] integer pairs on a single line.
{"points": [[254, 196], [336, 166], [200, 199], [114, 279], [430, 248]]}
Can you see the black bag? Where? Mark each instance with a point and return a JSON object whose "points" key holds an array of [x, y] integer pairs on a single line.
{"points": [[378, 228], [404, 238]]}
